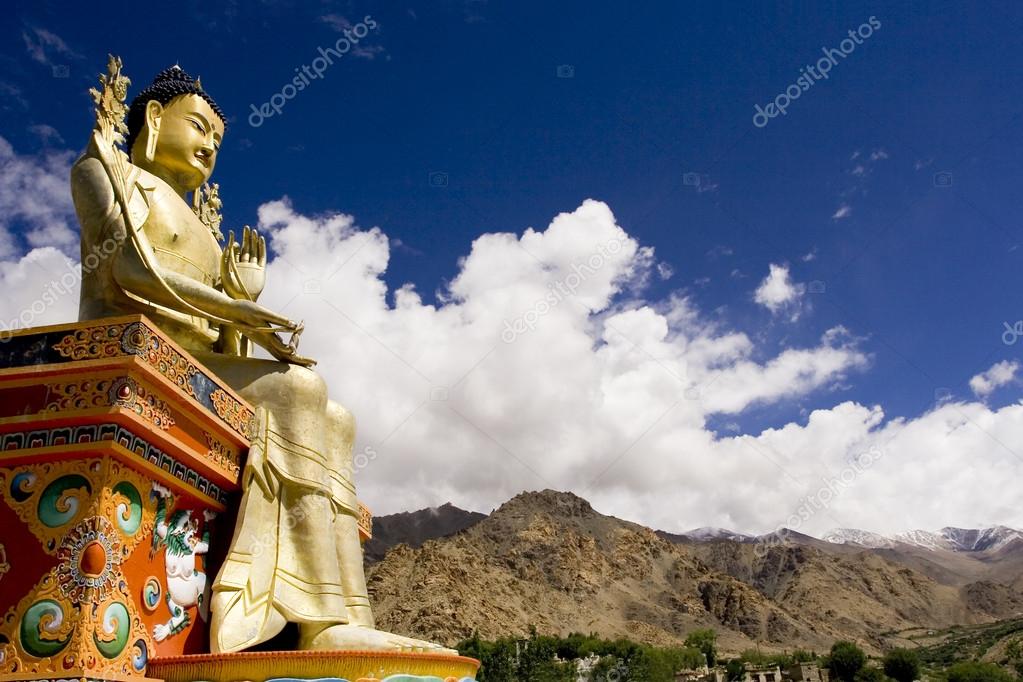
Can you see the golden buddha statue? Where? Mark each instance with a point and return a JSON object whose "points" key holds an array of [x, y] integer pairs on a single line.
{"points": [[295, 555]]}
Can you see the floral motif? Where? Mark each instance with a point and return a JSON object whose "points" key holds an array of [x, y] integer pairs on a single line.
{"points": [[135, 339], [91, 343], [48, 633], [122, 391], [53, 498], [208, 205], [90, 515], [89, 555], [49, 497], [238, 417], [139, 340], [109, 101]]}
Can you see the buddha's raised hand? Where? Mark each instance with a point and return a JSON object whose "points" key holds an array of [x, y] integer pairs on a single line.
{"points": [[243, 266]]}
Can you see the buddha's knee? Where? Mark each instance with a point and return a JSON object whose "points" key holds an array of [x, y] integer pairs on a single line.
{"points": [[293, 388], [341, 437], [342, 422]]}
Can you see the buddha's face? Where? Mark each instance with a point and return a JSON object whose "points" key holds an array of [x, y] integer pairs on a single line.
{"points": [[189, 134]]}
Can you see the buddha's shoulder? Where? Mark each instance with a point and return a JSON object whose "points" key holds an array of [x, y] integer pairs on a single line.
{"points": [[91, 181], [93, 191]]}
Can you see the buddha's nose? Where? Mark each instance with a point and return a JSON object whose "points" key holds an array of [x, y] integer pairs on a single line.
{"points": [[205, 153]]}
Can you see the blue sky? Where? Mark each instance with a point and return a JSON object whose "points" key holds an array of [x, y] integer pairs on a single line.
{"points": [[890, 185]]}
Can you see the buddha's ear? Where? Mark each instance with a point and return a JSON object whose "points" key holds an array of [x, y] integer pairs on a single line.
{"points": [[151, 129]]}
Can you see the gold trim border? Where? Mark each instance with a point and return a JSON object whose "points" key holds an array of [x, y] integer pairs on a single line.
{"points": [[260, 666]]}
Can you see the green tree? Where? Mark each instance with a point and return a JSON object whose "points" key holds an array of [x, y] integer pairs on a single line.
{"points": [[706, 641], [497, 659], [870, 674], [845, 660], [973, 671], [536, 660], [650, 664], [902, 665], [1014, 652], [734, 669]]}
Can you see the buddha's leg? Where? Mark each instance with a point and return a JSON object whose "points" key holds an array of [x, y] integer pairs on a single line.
{"points": [[280, 566], [296, 399], [340, 443], [353, 576], [359, 632]]}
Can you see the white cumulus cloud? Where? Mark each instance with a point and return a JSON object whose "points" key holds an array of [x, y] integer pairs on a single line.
{"points": [[998, 375], [778, 293], [35, 200], [542, 364]]}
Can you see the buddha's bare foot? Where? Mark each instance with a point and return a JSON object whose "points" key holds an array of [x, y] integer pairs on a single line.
{"points": [[344, 636]]}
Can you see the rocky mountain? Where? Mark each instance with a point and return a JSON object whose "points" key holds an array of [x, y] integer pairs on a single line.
{"points": [[548, 559], [415, 528]]}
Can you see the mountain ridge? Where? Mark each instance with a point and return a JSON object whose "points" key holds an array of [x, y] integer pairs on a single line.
{"points": [[548, 559]]}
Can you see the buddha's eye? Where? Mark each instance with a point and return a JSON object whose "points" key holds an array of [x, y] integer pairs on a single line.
{"points": [[199, 127]]}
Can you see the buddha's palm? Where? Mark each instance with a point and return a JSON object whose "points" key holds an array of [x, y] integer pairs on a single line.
{"points": [[243, 266], [243, 274]]}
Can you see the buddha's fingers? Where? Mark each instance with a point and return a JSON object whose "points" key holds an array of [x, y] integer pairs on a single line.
{"points": [[246, 244], [280, 350], [300, 360]]}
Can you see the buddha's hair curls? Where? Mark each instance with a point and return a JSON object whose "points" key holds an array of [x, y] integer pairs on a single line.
{"points": [[167, 85]]}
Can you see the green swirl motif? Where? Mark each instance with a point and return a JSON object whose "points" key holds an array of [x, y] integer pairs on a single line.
{"points": [[56, 505], [115, 620], [129, 516], [46, 616]]}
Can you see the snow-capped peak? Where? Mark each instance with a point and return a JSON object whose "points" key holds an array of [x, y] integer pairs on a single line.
{"points": [[863, 538], [711, 533], [980, 540], [923, 538], [952, 539]]}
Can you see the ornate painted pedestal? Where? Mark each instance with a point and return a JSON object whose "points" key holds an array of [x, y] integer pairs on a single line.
{"points": [[120, 458]]}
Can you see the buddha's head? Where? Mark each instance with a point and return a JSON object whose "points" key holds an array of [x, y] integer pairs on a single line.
{"points": [[175, 130]]}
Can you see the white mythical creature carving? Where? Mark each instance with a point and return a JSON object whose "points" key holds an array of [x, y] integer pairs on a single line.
{"points": [[186, 584]]}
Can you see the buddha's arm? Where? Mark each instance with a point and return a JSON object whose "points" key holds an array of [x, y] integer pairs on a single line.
{"points": [[135, 277], [94, 199]]}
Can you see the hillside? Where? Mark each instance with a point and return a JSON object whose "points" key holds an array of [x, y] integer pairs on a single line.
{"points": [[549, 559], [415, 528]]}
